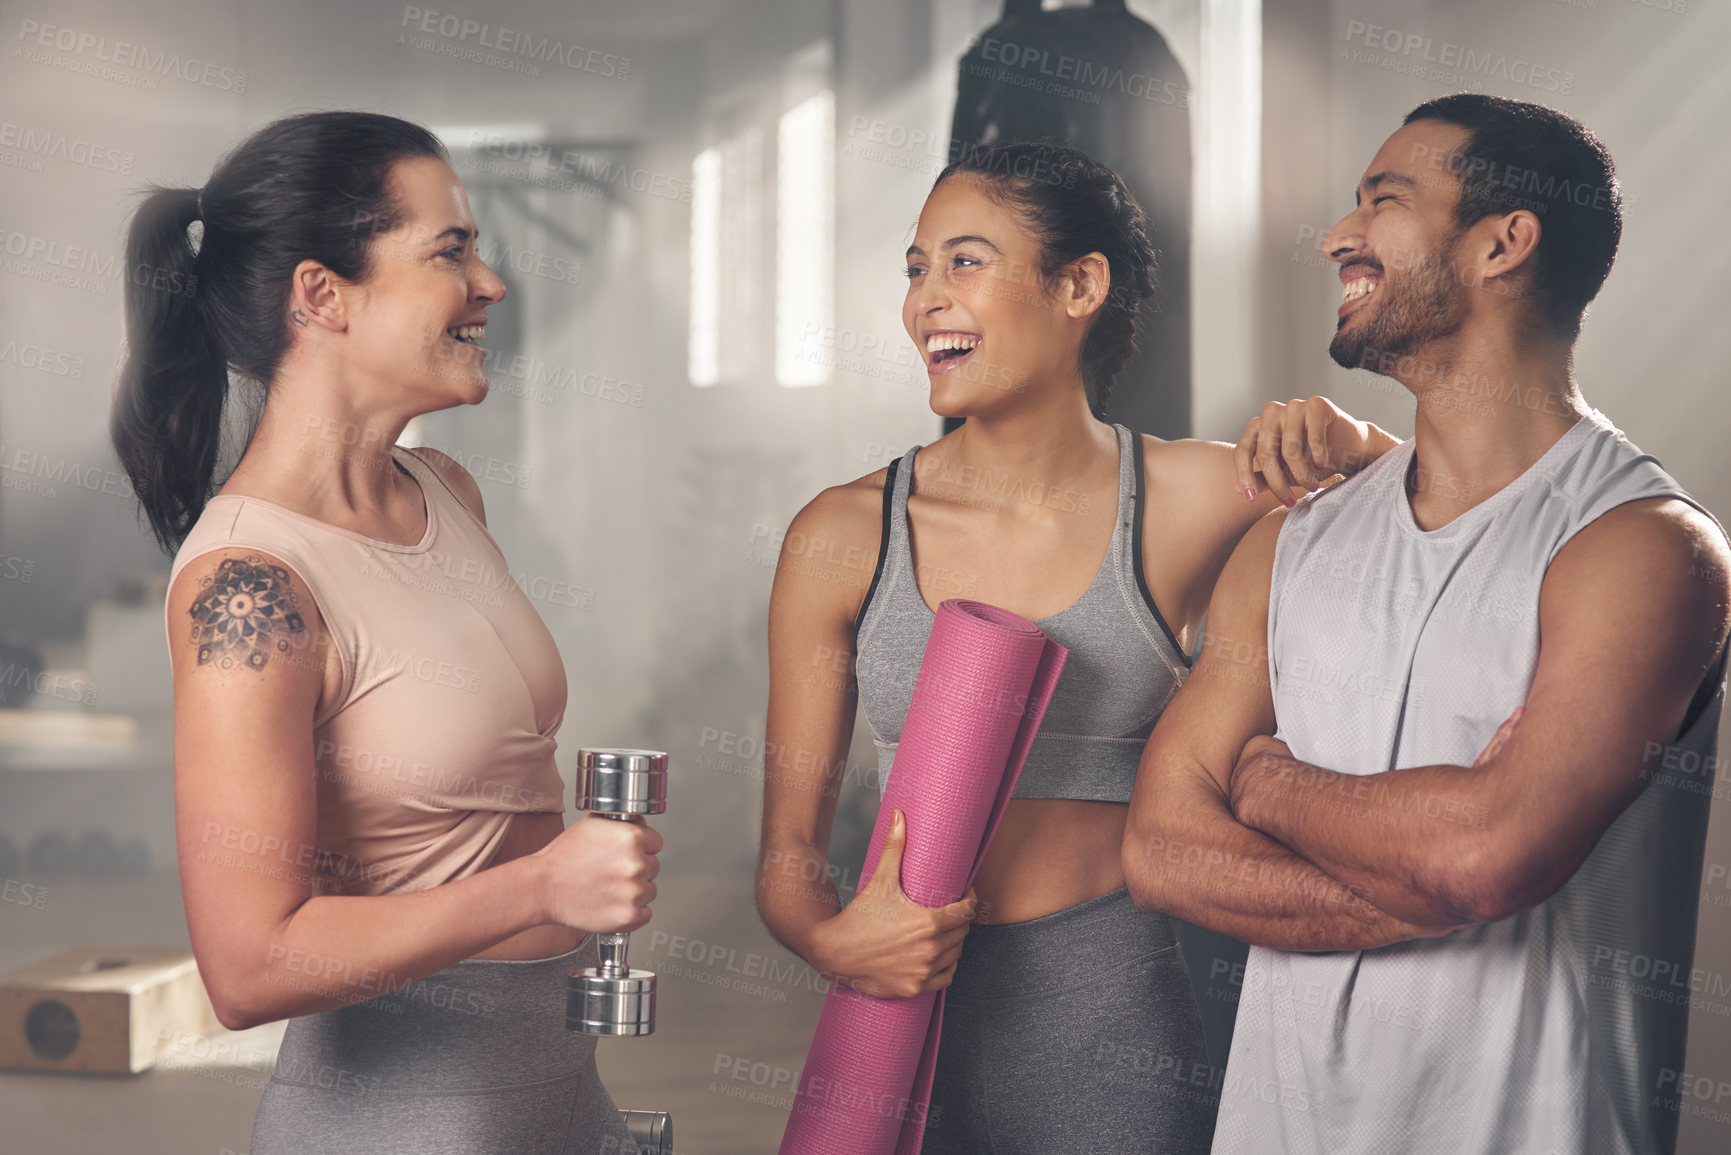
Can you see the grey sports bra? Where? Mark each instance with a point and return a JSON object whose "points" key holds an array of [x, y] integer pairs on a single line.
{"points": [[1124, 665]]}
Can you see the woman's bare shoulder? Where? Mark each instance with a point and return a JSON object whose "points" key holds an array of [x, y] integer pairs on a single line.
{"points": [[241, 608], [1195, 484], [1189, 463], [837, 534]]}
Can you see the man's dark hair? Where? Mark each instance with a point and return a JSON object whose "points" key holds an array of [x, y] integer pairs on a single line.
{"points": [[1526, 156]]}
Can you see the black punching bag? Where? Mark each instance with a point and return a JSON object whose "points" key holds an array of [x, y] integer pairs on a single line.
{"points": [[1104, 81]]}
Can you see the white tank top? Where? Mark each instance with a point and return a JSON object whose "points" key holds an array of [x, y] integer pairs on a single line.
{"points": [[1561, 1028]]}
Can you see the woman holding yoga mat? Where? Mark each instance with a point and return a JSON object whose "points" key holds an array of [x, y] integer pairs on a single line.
{"points": [[1070, 1023], [368, 813]]}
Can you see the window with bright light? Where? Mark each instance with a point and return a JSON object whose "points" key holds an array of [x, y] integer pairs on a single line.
{"points": [[703, 349], [727, 261], [804, 239]]}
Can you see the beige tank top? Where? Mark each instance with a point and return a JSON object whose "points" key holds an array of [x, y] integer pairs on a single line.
{"points": [[452, 688]]}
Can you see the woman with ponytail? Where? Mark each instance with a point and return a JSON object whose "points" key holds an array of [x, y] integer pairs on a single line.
{"points": [[368, 813], [1070, 1023]]}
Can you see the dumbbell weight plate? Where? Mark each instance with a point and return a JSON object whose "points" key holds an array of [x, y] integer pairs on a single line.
{"points": [[598, 1005]]}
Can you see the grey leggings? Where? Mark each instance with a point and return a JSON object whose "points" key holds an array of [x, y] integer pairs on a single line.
{"points": [[1074, 1032], [475, 1058]]}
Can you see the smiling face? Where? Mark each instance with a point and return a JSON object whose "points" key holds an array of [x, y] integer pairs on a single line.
{"points": [[1399, 252], [985, 322], [417, 322]]}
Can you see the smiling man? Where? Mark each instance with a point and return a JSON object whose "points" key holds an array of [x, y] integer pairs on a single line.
{"points": [[1434, 761]]}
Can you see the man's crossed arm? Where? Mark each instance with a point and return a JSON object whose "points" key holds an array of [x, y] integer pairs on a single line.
{"points": [[1226, 830]]}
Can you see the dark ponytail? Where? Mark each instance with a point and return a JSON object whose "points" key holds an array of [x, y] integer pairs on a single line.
{"points": [[168, 409], [307, 187], [1075, 205]]}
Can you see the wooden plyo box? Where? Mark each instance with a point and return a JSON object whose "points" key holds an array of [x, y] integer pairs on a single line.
{"points": [[101, 1009]]}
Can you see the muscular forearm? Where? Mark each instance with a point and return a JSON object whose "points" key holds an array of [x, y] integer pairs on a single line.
{"points": [[337, 950], [1200, 864], [1411, 834]]}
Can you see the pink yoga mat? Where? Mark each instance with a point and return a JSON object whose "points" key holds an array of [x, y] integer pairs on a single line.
{"points": [[982, 689]]}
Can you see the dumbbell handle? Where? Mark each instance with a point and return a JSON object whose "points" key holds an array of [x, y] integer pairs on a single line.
{"points": [[615, 944]]}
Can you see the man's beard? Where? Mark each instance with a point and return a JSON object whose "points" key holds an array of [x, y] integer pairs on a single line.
{"points": [[1425, 303]]}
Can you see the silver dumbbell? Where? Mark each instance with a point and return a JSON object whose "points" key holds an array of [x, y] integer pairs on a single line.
{"points": [[653, 1131], [613, 999]]}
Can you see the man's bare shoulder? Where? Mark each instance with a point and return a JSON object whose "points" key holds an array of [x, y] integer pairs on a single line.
{"points": [[1663, 546]]}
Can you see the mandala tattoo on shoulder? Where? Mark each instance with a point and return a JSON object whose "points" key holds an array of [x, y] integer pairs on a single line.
{"points": [[246, 610]]}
